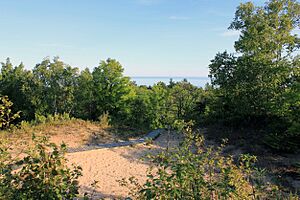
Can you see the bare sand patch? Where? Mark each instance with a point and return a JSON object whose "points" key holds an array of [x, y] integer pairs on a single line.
{"points": [[107, 166]]}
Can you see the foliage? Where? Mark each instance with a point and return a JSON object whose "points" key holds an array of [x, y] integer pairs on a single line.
{"points": [[112, 90], [185, 97], [139, 108], [84, 96], [53, 87], [104, 120], [14, 84], [158, 106], [197, 171], [6, 115], [260, 84], [41, 173], [40, 119]]}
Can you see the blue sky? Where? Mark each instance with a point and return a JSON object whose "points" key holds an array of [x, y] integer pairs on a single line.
{"points": [[149, 37]]}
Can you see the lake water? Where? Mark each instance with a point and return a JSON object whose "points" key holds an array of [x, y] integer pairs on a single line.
{"points": [[149, 81]]}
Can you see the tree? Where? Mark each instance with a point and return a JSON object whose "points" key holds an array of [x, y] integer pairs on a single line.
{"points": [[255, 84], [84, 96], [185, 97], [140, 108], [112, 90], [53, 87], [160, 111], [14, 84]]}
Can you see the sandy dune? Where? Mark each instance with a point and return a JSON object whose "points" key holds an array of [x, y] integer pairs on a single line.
{"points": [[109, 165]]}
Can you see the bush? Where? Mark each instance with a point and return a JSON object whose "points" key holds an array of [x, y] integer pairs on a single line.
{"points": [[6, 115], [25, 126], [40, 119], [283, 136], [41, 174], [104, 120], [197, 171]]}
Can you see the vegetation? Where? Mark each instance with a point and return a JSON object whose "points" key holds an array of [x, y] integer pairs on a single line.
{"points": [[257, 86], [37, 173], [55, 88], [195, 170], [41, 174], [6, 115]]}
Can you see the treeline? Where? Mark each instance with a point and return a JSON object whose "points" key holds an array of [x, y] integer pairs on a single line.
{"points": [[258, 85], [53, 87]]}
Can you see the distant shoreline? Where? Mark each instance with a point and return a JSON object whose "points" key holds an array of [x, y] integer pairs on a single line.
{"points": [[151, 80], [173, 77]]}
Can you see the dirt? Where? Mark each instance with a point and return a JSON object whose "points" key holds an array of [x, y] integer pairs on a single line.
{"points": [[107, 166], [74, 133]]}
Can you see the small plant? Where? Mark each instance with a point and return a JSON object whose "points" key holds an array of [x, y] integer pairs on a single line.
{"points": [[41, 174], [133, 145], [94, 186], [6, 115], [104, 120], [65, 116], [197, 171], [40, 119], [51, 119], [25, 126], [148, 141]]}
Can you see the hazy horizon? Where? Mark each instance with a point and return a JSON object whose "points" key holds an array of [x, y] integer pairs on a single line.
{"points": [[158, 76], [149, 81]]}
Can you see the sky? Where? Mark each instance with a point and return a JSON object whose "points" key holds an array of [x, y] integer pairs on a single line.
{"points": [[148, 37]]}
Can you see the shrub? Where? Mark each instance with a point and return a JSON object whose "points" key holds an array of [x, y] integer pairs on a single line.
{"points": [[25, 126], [50, 118], [104, 120], [65, 116], [41, 174], [197, 171], [40, 119], [283, 136], [6, 115]]}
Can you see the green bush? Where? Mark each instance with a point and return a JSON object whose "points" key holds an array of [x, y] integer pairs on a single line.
{"points": [[283, 136], [40, 119], [41, 174], [104, 120], [197, 171], [65, 116], [6, 115]]}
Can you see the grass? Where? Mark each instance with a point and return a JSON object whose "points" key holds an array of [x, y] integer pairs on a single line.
{"points": [[73, 132]]}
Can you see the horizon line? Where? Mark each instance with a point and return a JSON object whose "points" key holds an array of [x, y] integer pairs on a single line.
{"points": [[151, 76]]}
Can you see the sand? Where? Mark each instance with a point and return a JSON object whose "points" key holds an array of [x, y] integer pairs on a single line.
{"points": [[107, 166]]}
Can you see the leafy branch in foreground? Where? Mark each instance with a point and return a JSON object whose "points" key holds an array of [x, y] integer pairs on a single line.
{"points": [[6, 115], [42, 173], [197, 171]]}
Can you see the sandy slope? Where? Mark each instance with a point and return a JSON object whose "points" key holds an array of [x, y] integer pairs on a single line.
{"points": [[109, 165]]}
